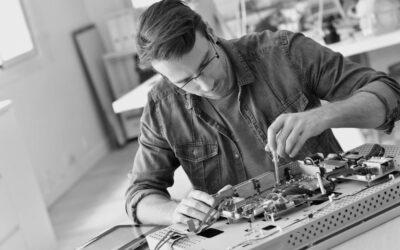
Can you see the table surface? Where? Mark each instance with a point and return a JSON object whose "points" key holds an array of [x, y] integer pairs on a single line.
{"points": [[136, 98], [384, 236]]}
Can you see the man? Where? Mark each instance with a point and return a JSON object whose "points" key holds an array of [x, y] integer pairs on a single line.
{"points": [[221, 102]]}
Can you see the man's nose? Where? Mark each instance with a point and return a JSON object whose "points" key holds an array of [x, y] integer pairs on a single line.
{"points": [[204, 83]]}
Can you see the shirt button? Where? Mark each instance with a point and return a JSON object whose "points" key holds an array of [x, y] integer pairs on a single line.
{"points": [[237, 156]]}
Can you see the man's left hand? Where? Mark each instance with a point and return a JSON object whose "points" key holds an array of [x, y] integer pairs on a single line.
{"points": [[288, 133]]}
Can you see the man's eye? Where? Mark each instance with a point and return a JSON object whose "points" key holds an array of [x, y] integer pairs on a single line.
{"points": [[204, 64], [186, 81]]}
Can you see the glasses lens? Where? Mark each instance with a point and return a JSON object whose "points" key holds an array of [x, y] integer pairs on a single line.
{"points": [[202, 68]]}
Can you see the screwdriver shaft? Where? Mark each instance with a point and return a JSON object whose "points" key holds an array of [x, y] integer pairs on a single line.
{"points": [[275, 159]]}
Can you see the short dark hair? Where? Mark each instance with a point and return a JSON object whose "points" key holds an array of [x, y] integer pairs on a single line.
{"points": [[167, 30]]}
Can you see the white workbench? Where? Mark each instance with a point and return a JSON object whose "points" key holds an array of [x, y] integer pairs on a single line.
{"points": [[362, 44], [136, 98]]}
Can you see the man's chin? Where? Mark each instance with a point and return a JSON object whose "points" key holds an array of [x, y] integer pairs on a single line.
{"points": [[213, 96], [213, 93]]}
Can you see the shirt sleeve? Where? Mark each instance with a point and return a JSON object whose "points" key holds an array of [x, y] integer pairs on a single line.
{"points": [[154, 164], [332, 77], [390, 100]]}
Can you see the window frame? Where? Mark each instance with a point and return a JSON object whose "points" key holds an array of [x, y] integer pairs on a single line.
{"points": [[27, 54]]}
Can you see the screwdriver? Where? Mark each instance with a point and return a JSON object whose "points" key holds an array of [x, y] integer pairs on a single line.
{"points": [[275, 160]]}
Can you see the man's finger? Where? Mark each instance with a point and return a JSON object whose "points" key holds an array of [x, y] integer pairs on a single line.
{"points": [[273, 130], [202, 196], [191, 212], [300, 142], [184, 219], [225, 188], [282, 136], [293, 138], [199, 205]]}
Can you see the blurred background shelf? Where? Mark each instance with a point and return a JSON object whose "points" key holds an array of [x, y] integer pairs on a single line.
{"points": [[362, 44]]}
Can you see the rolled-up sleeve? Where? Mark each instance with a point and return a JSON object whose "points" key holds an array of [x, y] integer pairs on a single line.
{"points": [[388, 93], [331, 77], [154, 163]]}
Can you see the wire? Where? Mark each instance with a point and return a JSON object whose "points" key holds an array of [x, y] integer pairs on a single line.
{"points": [[174, 241], [309, 161], [353, 194], [211, 216], [168, 236], [163, 240]]}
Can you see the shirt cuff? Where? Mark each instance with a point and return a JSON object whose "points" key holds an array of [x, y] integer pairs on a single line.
{"points": [[389, 99], [135, 198]]}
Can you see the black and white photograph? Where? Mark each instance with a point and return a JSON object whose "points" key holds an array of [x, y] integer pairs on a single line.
{"points": [[199, 124]]}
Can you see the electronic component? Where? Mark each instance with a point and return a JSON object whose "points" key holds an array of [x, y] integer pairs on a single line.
{"points": [[371, 170], [330, 165], [352, 158], [258, 196], [378, 165], [303, 209]]}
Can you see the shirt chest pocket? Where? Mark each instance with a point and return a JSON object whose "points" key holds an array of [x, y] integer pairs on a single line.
{"points": [[200, 161]]}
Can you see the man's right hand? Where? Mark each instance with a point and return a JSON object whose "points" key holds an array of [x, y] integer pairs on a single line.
{"points": [[156, 209], [195, 206]]}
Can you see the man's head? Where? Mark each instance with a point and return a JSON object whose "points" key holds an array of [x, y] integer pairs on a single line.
{"points": [[177, 43], [167, 31]]}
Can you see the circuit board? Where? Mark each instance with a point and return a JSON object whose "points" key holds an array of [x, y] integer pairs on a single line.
{"points": [[318, 198]]}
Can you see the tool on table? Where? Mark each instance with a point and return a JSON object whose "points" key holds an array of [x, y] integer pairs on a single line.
{"points": [[275, 160]]}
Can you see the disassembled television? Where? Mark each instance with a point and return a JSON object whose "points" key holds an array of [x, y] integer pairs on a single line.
{"points": [[305, 203]]}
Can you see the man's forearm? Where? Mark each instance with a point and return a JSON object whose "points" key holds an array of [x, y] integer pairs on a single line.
{"points": [[362, 110], [155, 209], [288, 133]]}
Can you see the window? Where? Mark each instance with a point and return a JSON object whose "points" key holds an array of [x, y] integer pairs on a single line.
{"points": [[142, 3], [15, 38]]}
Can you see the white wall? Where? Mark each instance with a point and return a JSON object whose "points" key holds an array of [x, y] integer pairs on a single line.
{"points": [[54, 105], [99, 11]]}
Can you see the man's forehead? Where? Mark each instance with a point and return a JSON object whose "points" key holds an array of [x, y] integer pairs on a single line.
{"points": [[179, 68]]}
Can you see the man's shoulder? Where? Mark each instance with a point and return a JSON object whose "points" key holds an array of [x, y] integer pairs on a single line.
{"points": [[264, 40], [161, 90]]}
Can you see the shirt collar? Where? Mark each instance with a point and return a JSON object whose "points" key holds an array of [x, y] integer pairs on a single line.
{"points": [[242, 71]]}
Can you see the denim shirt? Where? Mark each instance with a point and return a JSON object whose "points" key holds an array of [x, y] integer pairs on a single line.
{"points": [[277, 73]]}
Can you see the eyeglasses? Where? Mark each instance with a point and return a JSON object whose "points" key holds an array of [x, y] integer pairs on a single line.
{"points": [[201, 69]]}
